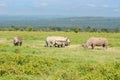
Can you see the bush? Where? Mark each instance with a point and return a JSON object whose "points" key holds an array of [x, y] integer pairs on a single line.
{"points": [[57, 69]]}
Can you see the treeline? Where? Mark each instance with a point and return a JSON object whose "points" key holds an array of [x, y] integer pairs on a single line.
{"points": [[66, 29]]}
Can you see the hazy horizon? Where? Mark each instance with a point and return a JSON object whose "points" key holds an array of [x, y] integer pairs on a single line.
{"points": [[48, 16]]}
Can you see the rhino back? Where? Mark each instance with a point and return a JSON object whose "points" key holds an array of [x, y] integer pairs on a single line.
{"points": [[54, 38], [18, 39], [97, 41]]}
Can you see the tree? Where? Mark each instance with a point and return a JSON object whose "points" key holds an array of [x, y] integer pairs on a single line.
{"points": [[93, 30], [29, 28], [75, 29], [90, 29], [104, 30], [15, 28]]}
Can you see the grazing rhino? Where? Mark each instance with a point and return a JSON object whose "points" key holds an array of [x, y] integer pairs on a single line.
{"points": [[17, 41], [57, 41], [96, 42]]}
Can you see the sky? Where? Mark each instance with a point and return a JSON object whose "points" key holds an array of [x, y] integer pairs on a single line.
{"points": [[73, 8]]}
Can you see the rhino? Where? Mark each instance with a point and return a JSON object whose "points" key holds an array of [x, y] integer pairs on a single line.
{"points": [[93, 41], [53, 41], [17, 41]]}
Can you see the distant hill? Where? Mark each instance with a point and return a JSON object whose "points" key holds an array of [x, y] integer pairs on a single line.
{"points": [[97, 22]]}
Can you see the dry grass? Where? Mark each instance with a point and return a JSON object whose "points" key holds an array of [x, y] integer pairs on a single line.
{"points": [[3, 40]]}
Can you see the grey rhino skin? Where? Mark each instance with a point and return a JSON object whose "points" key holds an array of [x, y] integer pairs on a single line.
{"points": [[56, 41], [93, 41], [60, 43], [17, 41]]}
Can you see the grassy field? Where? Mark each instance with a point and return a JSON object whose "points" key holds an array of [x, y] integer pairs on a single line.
{"points": [[33, 61]]}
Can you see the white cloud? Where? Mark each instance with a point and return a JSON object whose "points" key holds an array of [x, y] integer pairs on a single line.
{"points": [[116, 10], [91, 5], [105, 6]]}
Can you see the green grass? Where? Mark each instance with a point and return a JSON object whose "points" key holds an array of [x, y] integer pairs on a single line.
{"points": [[33, 61]]}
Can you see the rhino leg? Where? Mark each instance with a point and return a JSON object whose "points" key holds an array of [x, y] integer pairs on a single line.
{"points": [[49, 44], [105, 46], [55, 45], [20, 43], [63, 45], [60, 45], [93, 46], [16, 44]]}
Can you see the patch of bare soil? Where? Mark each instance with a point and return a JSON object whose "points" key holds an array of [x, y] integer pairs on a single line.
{"points": [[117, 50], [3, 40], [74, 46]]}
